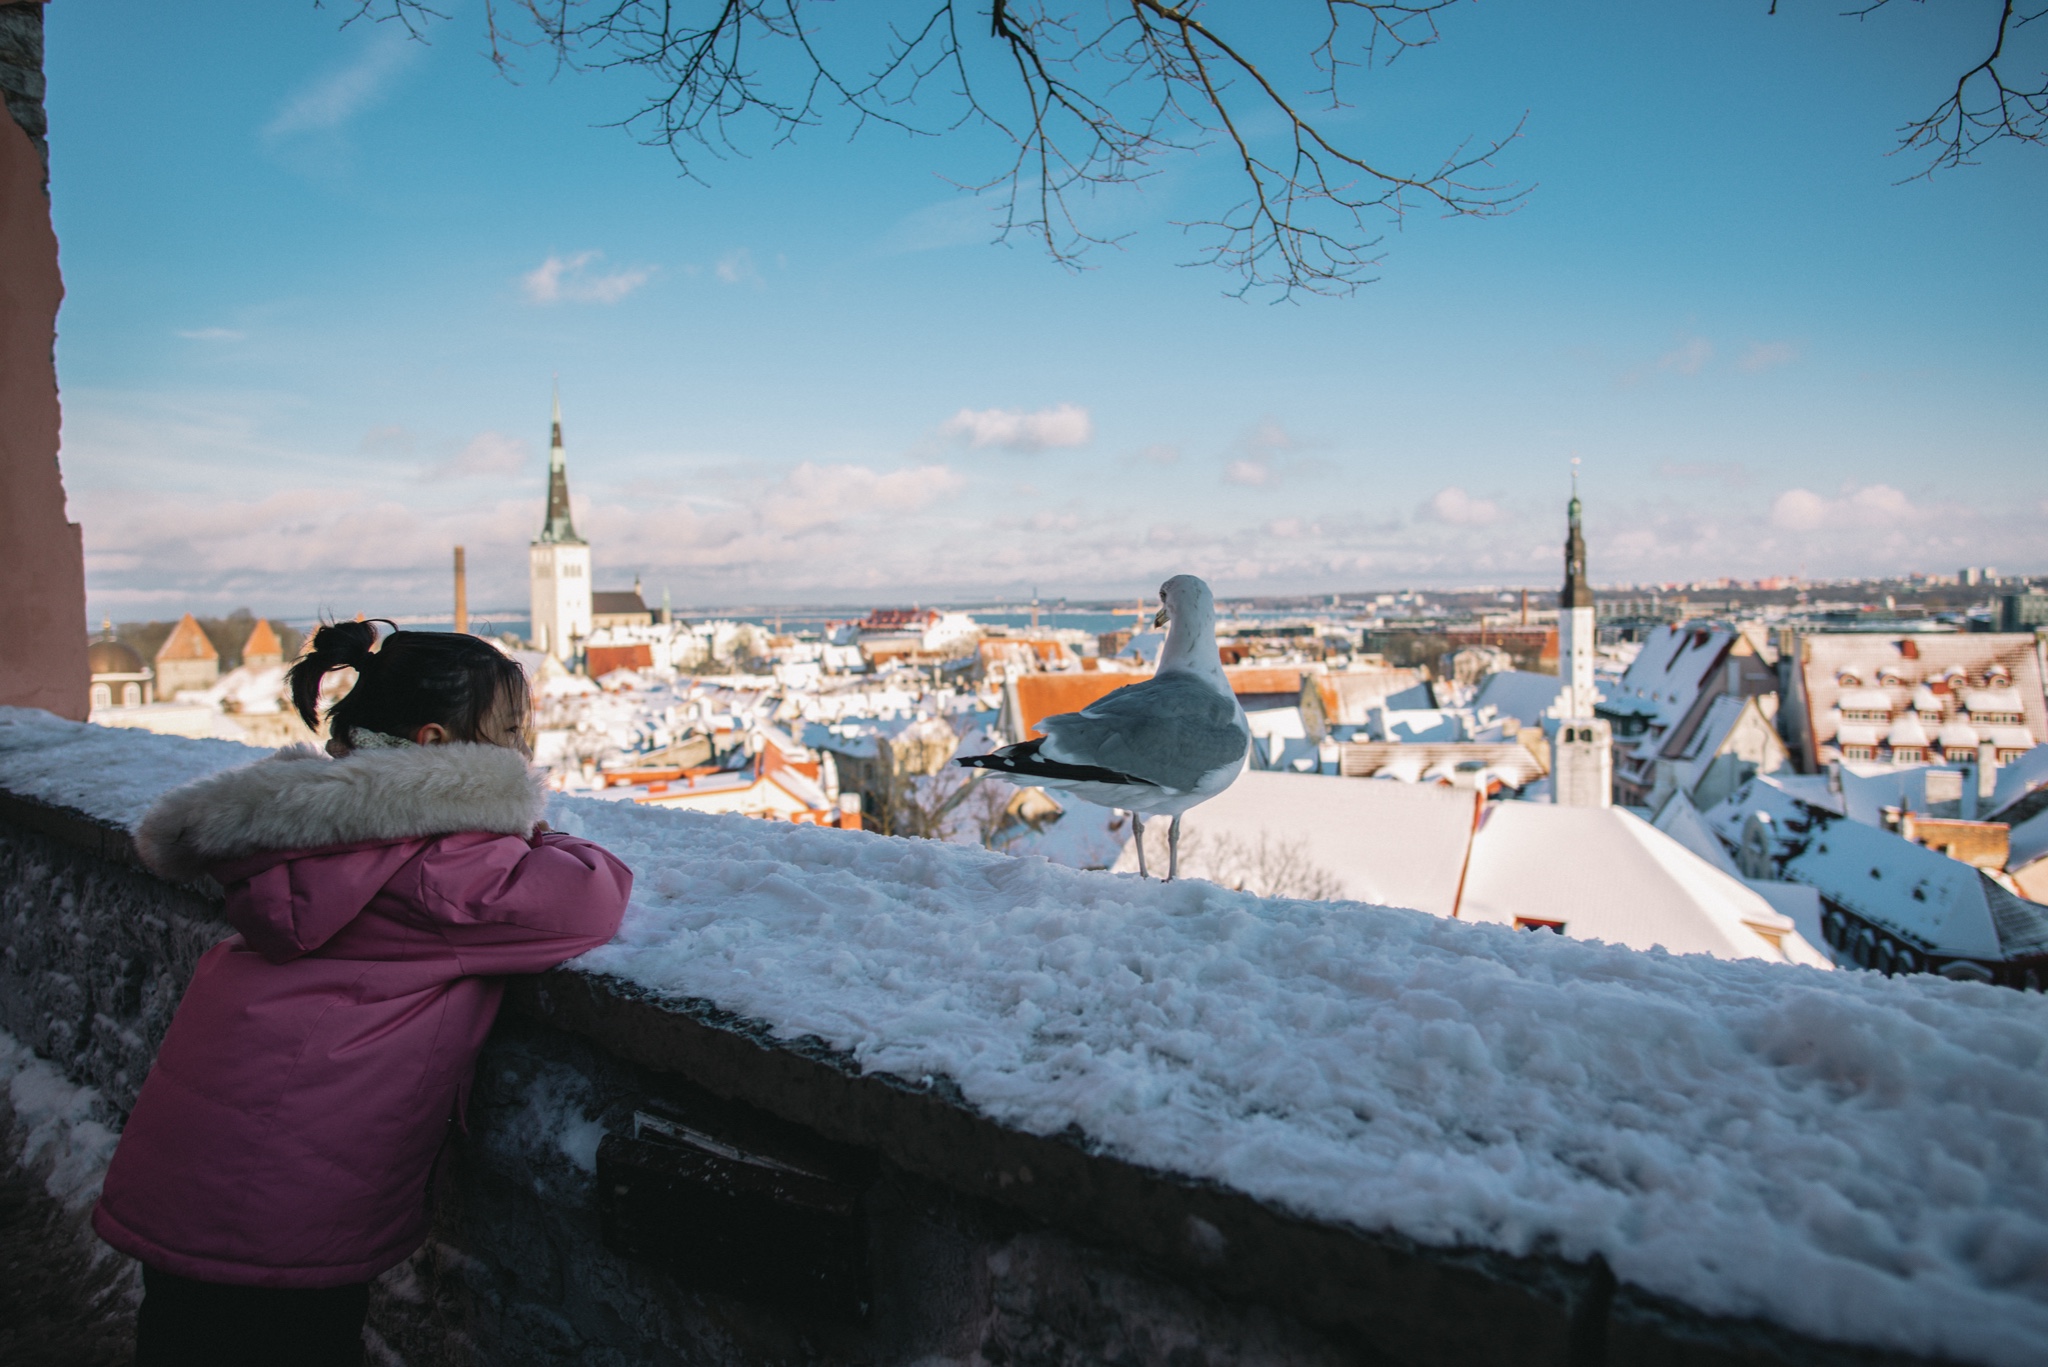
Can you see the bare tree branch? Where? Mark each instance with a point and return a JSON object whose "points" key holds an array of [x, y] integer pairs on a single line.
{"points": [[1090, 101], [1983, 107]]}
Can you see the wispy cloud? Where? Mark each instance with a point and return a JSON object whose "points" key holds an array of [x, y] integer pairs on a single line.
{"points": [[1872, 506], [1762, 356], [211, 334], [576, 279], [736, 267], [1456, 508], [1689, 357], [1009, 429], [485, 455], [1257, 466], [332, 100]]}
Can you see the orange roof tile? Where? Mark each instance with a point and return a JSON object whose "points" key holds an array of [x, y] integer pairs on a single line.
{"points": [[262, 641], [187, 642], [1048, 695]]}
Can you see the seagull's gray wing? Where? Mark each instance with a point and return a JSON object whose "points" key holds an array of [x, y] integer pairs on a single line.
{"points": [[1171, 730]]}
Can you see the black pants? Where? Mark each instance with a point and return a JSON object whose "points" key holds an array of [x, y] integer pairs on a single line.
{"points": [[189, 1324]]}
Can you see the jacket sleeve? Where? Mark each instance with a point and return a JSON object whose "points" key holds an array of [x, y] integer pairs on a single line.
{"points": [[507, 905]]}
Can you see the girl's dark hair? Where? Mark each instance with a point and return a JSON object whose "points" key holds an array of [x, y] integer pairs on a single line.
{"points": [[414, 678]]}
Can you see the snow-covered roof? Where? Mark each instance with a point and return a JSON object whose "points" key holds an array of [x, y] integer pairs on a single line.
{"points": [[1992, 699], [1957, 735], [1940, 904], [1840, 666], [1516, 693], [1682, 822], [1857, 1158], [1865, 700], [2020, 777], [1860, 733], [1907, 730]]}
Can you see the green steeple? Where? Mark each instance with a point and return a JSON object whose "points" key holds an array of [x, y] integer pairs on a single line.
{"points": [[559, 527], [1577, 592]]}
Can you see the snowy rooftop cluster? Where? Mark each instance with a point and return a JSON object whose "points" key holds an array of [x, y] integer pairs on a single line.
{"points": [[1855, 1157]]}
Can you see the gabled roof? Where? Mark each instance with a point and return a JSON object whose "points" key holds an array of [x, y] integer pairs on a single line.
{"points": [[614, 603], [262, 643], [186, 642], [1941, 905]]}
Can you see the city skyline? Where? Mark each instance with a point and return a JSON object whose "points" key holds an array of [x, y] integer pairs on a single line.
{"points": [[309, 335]]}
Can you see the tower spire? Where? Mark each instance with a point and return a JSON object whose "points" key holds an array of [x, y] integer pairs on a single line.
{"points": [[558, 526], [1577, 592]]}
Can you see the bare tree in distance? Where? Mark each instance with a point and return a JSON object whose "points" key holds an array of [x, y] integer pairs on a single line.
{"points": [[1093, 95], [1088, 98]]}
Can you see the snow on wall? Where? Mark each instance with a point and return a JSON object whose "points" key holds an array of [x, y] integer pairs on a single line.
{"points": [[1854, 1157]]}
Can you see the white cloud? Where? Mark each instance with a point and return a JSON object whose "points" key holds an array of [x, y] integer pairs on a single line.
{"points": [[1762, 356], [1010, 430], [571, 279], [737, 268], [1458, 509], [813, 495], [334, 99], [484, 455], [1874, 505], [1251, 473], [211, 334], [1689, 357]]}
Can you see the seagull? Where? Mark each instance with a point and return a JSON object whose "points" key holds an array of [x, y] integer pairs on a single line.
{"points": [[1154, 748]]}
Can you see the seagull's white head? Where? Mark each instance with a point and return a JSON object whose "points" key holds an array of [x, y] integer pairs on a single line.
{"points": [[1185, 597]]}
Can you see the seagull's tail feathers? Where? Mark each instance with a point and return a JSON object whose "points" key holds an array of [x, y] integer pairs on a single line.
{"points": [[1025, 764]]}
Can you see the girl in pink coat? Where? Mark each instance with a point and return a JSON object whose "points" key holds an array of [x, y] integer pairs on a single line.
{"points": [[278, 1156]]}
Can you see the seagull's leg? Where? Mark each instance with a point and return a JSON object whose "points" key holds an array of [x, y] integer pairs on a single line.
{"points": [[1173, 848], [1138, 825]]}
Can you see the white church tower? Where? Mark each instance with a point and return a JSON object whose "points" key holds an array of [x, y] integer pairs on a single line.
{"points": [[1582, 768], [560, 562]]}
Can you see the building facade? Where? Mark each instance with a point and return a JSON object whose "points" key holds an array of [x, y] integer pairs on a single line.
{"points": [[559, 564]]}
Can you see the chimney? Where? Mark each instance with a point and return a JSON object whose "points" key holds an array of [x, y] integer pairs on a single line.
{"points": [[461, 594], [1987, 774]]}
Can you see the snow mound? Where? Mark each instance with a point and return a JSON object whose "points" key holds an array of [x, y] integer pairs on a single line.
{"points": [[1858, 1158]]}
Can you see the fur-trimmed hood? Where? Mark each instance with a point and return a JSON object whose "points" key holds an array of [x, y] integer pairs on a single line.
{"points": [[300, 799]]}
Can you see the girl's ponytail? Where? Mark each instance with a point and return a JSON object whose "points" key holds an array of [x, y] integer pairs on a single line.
{"points": [[413, 679], [336, 645]]}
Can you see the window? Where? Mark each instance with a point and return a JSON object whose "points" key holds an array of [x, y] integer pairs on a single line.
{"points": [[1907, 754], [1529, 923], [131, 695], [102, 696], [1857, 752]]}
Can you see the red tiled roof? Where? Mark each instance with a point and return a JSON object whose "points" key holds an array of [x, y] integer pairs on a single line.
{"points": [[187, 642]]}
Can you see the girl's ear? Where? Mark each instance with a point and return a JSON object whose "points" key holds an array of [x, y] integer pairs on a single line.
{"points": [[433, 733]]}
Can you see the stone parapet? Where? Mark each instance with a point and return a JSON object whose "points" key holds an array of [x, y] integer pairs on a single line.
{"points": [[983, 1243]]}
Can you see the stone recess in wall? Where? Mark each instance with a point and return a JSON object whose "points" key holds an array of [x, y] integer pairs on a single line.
{"points": [[21, 71]]}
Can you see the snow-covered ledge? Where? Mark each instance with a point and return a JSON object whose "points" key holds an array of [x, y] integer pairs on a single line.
{"points": [[1379, 1134]]}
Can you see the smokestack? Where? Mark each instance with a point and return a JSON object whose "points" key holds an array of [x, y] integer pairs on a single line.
{"points": [[461, 593], [1525, 607]]}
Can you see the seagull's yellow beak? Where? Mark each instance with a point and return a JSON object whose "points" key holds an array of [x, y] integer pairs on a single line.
{"points": [[1159, 618]]}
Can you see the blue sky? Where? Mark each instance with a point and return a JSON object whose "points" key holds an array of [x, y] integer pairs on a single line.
{"points": [[318, 280]]}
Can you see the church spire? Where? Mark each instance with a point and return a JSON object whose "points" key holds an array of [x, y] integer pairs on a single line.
{"points": [[558, 527], [1577, 592]]}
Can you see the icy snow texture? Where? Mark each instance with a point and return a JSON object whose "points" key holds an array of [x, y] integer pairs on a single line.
{"points": [[1856, 1157], [57, 1125]]}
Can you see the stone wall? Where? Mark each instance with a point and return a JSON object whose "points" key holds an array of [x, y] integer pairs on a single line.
{"points": [[42, 556], [981, 1244]]}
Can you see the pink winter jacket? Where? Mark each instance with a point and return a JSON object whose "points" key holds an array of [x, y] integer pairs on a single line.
{"points": [[286, 1134]]}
